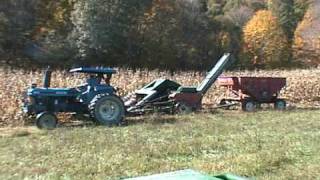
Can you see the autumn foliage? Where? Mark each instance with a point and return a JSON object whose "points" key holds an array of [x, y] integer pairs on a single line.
{"points": [[159, 34], [307, 37], [265, 41]]}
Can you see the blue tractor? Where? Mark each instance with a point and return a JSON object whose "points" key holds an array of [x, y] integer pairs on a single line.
{"points": [[96, 98]]}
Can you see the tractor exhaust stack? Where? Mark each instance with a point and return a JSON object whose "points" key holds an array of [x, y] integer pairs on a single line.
{"points": [[47, 78]]}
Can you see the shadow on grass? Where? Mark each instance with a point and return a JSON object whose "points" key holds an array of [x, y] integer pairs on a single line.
{"points": [[77, 124], [154, 119], [151, 119], [304, 109]]}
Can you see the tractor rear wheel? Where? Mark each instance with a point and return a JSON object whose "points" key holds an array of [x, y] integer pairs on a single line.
{"points": [[46, 120], [107, 109]]}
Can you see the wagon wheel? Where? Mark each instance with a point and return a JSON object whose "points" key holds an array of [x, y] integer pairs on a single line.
{"points": [[183, 108], [249, 106], [280, 105], [46, 120]]}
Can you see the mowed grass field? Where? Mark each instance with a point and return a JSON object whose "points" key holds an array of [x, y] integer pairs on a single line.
{"points": [[262, 145]]}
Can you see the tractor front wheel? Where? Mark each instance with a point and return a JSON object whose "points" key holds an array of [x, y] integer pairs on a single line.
{"points": [[46, 120], [107, 109]]}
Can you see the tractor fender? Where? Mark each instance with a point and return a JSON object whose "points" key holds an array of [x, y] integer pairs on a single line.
{"points": [[91, 93]]}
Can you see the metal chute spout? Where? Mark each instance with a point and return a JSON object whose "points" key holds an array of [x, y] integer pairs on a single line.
{"points": [[213, 74]]}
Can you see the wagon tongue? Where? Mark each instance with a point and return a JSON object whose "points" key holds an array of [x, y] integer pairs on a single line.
{"points": [[215, 72]]}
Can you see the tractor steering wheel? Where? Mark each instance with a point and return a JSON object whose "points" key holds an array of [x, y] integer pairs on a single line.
{"points": [[82, 87]]}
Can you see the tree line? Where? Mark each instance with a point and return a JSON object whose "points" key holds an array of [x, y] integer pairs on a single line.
{"points": [[165, 34]]}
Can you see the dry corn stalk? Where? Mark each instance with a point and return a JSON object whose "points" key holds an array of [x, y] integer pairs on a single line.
{"points": [[303, 87]]}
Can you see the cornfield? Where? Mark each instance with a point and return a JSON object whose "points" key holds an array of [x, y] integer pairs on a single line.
{"points": [[302, 90]]}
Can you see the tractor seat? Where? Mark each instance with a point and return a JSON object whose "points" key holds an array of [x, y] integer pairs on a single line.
{"points": [[187, 89]]}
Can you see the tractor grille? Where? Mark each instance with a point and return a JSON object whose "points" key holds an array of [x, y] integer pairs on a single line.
{"points": [[24, 97], [27, 100]]}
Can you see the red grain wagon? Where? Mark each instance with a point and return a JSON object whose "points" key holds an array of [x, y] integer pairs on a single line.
{"points": [[251, 92]]}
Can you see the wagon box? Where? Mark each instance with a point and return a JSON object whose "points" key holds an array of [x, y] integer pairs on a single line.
{"points": [[253, 91]]}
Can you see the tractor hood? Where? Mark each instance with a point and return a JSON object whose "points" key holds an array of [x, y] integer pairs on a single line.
{"points": [[51, 92], [92, 70]]}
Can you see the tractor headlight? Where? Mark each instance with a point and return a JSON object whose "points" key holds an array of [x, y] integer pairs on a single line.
{"points": [[27, 103], [24, 97], [28, 100]]}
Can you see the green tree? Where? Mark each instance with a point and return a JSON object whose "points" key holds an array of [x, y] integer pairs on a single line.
{"points": [[3, 26], [233, 4], [33, 29], [17, 20], [215, 7], [284, 11], [300, 8], [289, 13], [179, 35], [257, 4], [49, 43], [102, 28]]}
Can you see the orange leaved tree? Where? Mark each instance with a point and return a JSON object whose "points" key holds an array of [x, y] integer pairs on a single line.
{"points": [[306, 47], [266, 43]]}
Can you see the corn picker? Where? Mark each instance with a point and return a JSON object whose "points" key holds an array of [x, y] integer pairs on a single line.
{"points": [[163, 95]]}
